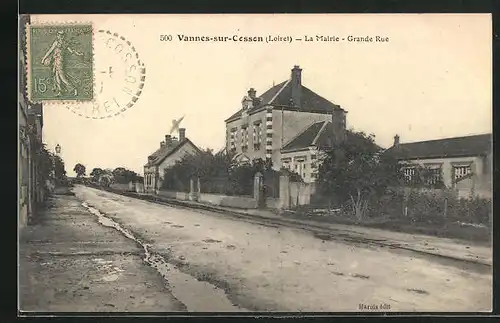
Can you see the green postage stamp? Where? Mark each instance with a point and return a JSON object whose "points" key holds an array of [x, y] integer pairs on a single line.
{"points": [[60, 62]]}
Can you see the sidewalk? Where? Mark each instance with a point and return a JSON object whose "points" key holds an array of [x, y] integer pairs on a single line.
{"points": [[445, 247], [69, 262]]}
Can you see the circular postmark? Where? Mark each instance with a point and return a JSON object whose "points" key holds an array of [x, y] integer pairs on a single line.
{"points": [[119, 77]]}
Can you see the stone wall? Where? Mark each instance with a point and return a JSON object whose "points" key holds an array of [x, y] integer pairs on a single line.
{"points": [[120, 187], [174, 195], [241, 202]]}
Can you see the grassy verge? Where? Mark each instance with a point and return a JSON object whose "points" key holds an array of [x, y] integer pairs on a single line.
{"points": [[452, 229]]}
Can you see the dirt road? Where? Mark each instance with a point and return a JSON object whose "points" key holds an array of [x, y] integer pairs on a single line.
{"points": [[100, 251], [283, 269], [68, 262]]}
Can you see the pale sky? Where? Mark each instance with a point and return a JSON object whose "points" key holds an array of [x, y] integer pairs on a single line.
{"points": [[432, 80]]}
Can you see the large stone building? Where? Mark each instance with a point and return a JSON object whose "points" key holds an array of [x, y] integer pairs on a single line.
{"points": [[461, 163], [30, 122], [170, 151], [264, 124]]}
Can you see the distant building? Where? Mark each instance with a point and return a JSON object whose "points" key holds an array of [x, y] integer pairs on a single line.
{"points": [[461, 163], [171, 150], [265, 124]]}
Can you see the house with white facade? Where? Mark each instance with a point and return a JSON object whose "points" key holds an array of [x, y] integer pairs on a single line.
{"points": [[170, 151]]}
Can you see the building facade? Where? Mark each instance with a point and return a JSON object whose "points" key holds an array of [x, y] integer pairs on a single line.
{"points": [[30, 123], [303, 153], [461, 163], [170, 151], [264, 124]]}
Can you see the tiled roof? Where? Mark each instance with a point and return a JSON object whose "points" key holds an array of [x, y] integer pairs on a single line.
{"points": [[281, 95], [265, 99], [449, 147], [320, 135], [305, 138], [163, 152]]}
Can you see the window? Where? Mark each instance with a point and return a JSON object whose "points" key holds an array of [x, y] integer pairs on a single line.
{"points": [[434, 174], [461, 171], [257, 135], [409, 174], [244, 137], [232, 140]]}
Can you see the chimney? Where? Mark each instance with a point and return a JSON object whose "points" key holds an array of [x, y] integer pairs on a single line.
{"points": [[296, 85], [339, 125], [182, 134], [252, 93], [162, 144], [396, 141], [168, 140]]}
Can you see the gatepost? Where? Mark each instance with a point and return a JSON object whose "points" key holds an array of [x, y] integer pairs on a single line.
{"points": [[258, 190], [193, 193], [284, 191]]}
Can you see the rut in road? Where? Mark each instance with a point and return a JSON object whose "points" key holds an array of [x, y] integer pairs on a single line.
{"points": [[194, 294]]}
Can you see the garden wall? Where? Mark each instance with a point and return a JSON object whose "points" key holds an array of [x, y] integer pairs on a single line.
{"points": [[174, 195], [120, 187], [229, 201]]}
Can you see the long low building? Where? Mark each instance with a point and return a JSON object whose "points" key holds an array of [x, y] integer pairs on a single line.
{"points": [[461, 163]]}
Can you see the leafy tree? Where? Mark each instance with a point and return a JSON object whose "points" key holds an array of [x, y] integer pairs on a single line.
{"points": [[124, 176], [45, 164], [217, 173], [50, 167], [59, 171], [106, 177], [356, 171], [96, 174], [79, 169], [210, 168]]}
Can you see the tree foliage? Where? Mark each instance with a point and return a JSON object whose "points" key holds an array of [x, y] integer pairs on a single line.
{"points": [[122, 175], [50, 167], [96, 174], [217, 173], [59, 171], [45, 164], [357, 171], [79, 169], [205, 165]]}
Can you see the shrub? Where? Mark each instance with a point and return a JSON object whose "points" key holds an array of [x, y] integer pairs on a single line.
{"points": [[431, 207]]}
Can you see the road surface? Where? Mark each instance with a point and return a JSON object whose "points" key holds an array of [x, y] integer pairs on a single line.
{"points": [[215, 263]]}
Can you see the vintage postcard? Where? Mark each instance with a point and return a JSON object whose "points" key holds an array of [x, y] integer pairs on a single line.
{"points": [[255, 163]]}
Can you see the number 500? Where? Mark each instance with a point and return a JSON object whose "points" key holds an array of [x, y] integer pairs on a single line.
{"points": [[165, 37]]}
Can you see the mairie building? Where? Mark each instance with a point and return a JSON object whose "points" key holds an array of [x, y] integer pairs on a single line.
{"points": [[266, 124]]}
